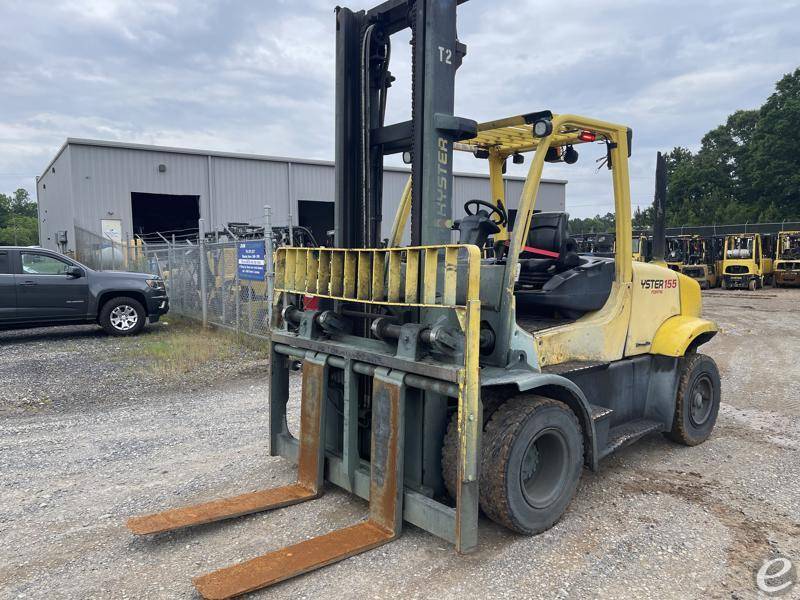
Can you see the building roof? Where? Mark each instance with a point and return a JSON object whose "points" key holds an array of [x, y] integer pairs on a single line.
{"points": [[238, 155]]}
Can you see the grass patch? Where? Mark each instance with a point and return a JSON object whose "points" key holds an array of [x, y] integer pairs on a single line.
{"points": [[182, 347]]}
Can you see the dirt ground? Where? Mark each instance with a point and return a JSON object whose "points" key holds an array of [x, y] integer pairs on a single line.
{"points": [[658, 520]]}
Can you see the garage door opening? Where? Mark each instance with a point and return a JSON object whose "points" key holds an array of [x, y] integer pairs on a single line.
{"points": [[316, 216], [166, 214]]}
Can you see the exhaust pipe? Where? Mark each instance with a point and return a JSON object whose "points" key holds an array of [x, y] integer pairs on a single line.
{"points": [[659, 210]]}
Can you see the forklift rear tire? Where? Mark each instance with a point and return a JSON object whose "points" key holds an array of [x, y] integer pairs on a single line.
{"points": [[753, 285], [697, 403], [531, 463], [723, 284]]}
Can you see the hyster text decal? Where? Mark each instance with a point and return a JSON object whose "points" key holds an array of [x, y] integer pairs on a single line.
{"points": [[658, 284]]}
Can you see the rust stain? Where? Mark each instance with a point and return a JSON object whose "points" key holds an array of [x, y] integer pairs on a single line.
{"points": [[383, 489], [306, 488], [291, 561], [217, 510], [310, 407]]}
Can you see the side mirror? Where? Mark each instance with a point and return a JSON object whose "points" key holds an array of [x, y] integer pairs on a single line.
{"points": [[74, 272]]}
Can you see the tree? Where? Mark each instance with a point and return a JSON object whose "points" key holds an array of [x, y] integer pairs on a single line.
{"points": [[746, 170], [19, 224]]}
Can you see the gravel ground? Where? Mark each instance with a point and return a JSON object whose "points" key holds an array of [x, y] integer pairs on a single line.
{"points": [[658, 520], [70, 368]]}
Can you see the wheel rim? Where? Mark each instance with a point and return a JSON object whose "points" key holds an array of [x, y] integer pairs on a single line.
{"points": [[124, 317], [701, 397], [544, 467]]}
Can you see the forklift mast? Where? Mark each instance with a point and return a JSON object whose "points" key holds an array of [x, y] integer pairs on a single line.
{"points": [[363, 79]]}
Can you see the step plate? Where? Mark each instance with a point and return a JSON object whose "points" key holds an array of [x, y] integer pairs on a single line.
{"points": [[292, 561], [217, 510]]}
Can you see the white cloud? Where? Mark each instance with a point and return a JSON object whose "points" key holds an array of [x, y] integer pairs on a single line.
{"points": [[258, 76]]}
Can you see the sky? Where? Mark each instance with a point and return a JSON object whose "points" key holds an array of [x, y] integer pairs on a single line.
{"points": [[257, 76]]}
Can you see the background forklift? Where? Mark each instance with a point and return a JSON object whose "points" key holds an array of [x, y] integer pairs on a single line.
{"points": [[676, 251], [440, 378], [700, 261], [786, 271], [747, 262], [642, 248]]}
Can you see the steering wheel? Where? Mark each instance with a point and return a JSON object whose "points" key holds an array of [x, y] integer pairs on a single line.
{"points": [[493, 210]]}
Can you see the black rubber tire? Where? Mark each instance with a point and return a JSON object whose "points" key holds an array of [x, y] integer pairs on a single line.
{"points": [[105, 316], [491, 400], [695, 368], [723, 284], [752, 285], [511, 432]]}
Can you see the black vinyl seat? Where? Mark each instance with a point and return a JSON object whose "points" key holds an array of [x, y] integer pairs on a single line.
{"points": [[554, 277], [549, 245]]}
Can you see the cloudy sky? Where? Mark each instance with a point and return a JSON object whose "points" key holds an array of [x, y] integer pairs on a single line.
{"points": [[257, 76]]}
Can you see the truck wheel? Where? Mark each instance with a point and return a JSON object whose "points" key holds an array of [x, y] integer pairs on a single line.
{"points": [[723, 284], [531, 463], [752, 285], [491, 400], [122, 316], [697, 403]]}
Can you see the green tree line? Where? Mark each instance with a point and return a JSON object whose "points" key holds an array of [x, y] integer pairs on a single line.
{"points": [[746, 170], [19, 223]]}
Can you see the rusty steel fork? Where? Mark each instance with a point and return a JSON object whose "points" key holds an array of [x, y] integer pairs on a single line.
{"points": [[385, 509], [310, 470]]}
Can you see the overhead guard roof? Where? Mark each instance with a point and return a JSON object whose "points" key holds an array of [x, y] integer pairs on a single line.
{"points": [[515, 135]]}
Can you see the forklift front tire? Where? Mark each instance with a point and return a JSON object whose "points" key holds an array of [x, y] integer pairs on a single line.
{"points": [[697, 403], [531, 463]]}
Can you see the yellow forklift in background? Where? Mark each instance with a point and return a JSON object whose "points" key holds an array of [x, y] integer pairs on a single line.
{"points": [[442, 378], [786, 271], [700, 261], [642, 246], [747, 262], [675, 252]]}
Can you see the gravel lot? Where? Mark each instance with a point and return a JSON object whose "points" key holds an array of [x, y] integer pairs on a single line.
{"points": [[84, 443]]}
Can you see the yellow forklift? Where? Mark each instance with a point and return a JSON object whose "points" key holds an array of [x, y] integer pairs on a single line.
{"points": [[675, 252], [642, 247], [786, 271], [747, 262], [700, 261], [447, 377]]}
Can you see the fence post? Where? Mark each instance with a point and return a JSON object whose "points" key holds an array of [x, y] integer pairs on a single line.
{"points": [[238, 291], [270, 262], [201, 242], [223, 299]]}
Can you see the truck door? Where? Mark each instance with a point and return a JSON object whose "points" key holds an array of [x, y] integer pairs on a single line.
{"points": [[8, 293], [45, 291]]}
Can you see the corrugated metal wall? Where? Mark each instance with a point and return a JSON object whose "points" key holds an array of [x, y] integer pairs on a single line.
{"points": [[230, 188], [54, 195]]}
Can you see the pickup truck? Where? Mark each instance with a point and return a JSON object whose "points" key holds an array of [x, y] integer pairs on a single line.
{"points": [[42, 288]]}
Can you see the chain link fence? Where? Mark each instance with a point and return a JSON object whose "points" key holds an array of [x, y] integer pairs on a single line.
{"points": [[714, 230], [201, 277]]}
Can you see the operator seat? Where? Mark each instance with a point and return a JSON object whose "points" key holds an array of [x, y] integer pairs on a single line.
{"points": [[554, 277], [549, 245]]}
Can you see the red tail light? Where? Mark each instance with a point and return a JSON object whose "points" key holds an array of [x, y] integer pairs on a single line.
{"points": [[587, 136]]}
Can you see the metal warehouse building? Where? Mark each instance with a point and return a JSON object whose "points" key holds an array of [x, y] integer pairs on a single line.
{"points": [[117, 190]]}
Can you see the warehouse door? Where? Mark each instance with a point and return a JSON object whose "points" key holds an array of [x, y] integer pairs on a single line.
{"points": [[165, 214], [316, 216]]}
